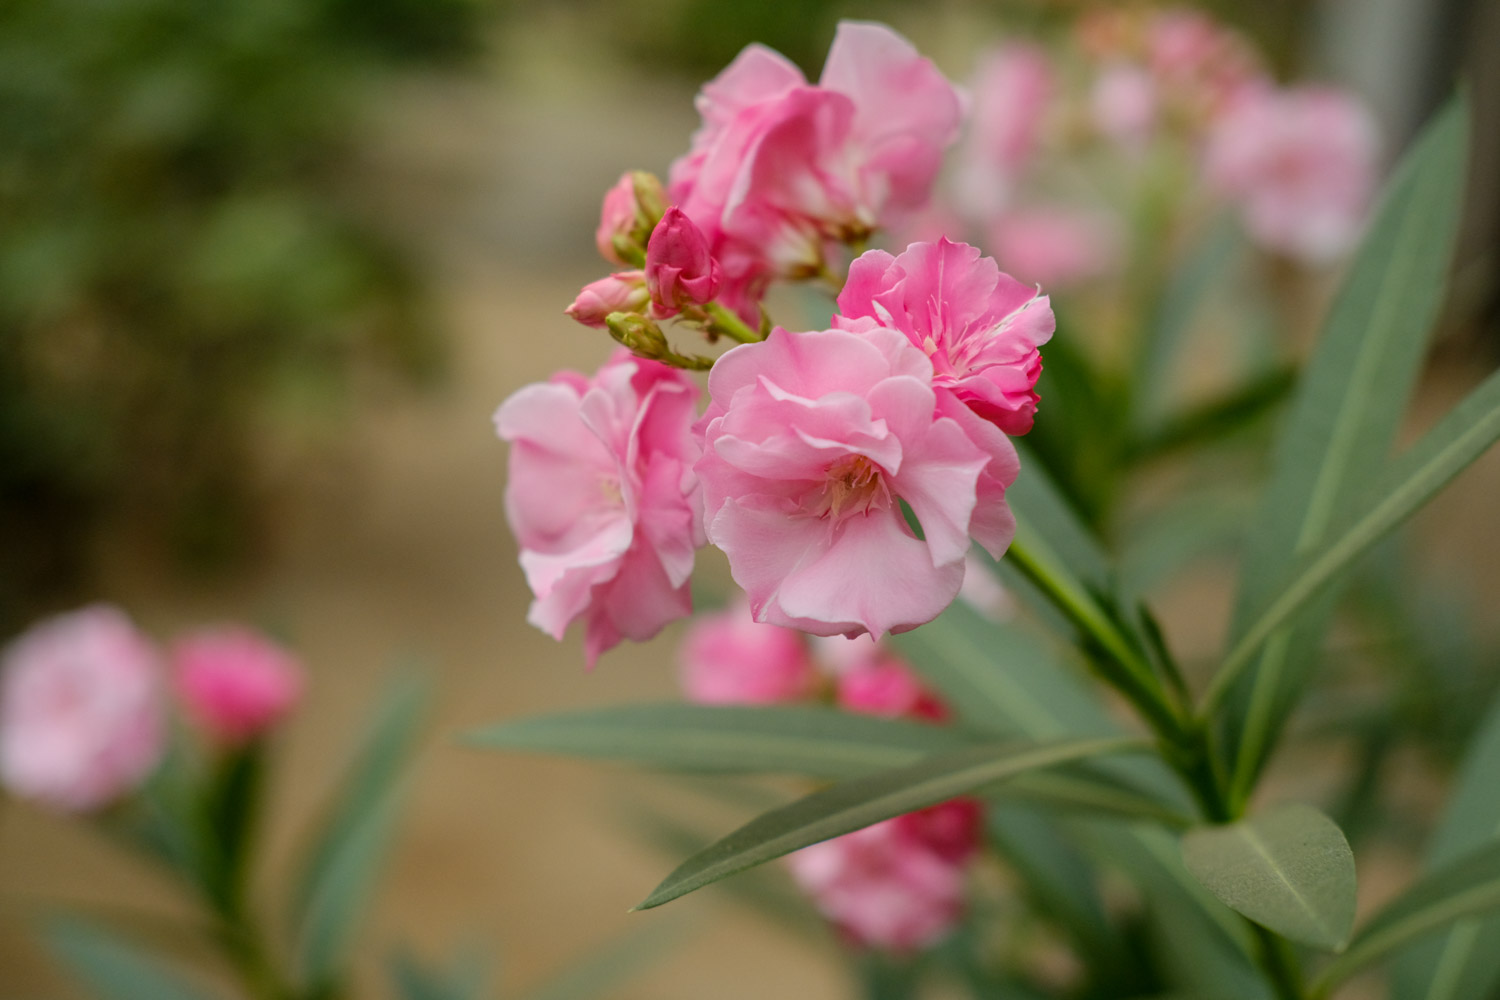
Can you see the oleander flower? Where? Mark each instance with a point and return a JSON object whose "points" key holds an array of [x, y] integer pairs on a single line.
{"points": [[602, 498], [679, 269], [979, 327], [897, 885], [729, 658], [234, 682], [82, 720], [872, 679], [1011, 92], [623, 291], [1301, 163], [1057, 246], [780, 167], [813, 442]]}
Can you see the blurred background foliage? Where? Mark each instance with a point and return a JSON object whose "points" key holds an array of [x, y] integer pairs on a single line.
{"points": [[179, 252]]}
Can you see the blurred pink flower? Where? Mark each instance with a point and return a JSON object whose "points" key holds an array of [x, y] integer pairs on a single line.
{"points": [[602, 498], [1301, 163], [1056, 246], [82, 720], [623, 291], [1011, 94], [1123, 105], [780, 167], [897, 885], [1200, 62], [812, 440], [679, 269], [983, 592], [979, 327], [234, 682], [729, 658], [883, 684]]}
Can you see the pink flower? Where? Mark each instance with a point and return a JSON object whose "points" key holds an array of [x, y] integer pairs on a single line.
{"points": [[81, 714], [1055, 246], [883, 684], [780, 167], [616, 217], [602, 498], [1011, 93], [897, 885], [980, 328], [623, 291], [234, 682], [1200, 62], [1301, 163], [731, 659], [812, 441], [679, 269], [1124, 105]]}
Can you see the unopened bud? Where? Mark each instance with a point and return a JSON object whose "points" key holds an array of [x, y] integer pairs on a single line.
{"points": [[630, 211], [623, 292], [680, 271], [641, 335]]}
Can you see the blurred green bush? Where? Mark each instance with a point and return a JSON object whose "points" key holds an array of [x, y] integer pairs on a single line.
{"points": [[180, 245]]}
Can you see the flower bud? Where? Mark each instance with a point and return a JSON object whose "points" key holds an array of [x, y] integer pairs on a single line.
{"points": [[630, 211], [235, 683], [640, 334], [623, 291], [679, 268]]}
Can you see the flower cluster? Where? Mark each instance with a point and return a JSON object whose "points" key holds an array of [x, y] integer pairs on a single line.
{"points": [[845, 472], [83, 702], [898, 885]]}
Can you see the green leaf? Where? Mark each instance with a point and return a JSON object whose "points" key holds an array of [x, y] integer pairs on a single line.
{"points": [[816, 742], [1289, 869], [859, 802], [1464, 961], [1465, 887], [1347, 410], [340, 872], [1461, 437], [112, 969]]}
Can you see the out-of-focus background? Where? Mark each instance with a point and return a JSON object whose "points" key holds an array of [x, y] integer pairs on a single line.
{"points": [[267, 267]]}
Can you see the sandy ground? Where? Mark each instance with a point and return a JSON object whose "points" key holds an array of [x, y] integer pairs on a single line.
{"points": [[395, 548]]}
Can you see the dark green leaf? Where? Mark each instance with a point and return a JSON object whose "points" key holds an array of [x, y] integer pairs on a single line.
{"points": [[1465, 887], [1289, 869], [340, 873], [112, 969], [859, 802], [1345, 417], [816, 742]]}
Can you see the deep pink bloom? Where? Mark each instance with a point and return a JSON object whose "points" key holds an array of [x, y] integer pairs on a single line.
{"points": [[679, 269], [883, 684], [1301, 163], [1011, 93], [601, 497], [234, 682], [897, 885], [1056, 246], [616, 217], [812, 440], [623, 291], [729, 658], [979, 327], [780, 167], [82, 720]]}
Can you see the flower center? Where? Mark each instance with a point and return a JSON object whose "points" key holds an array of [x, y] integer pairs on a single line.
{"points": [[854, 486], [610, 487]]}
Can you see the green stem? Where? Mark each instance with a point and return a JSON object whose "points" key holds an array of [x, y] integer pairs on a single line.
{"points": [[724, 321], [1280, 964]]}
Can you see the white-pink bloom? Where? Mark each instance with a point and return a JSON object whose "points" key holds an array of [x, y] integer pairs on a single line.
{"points": [[897, 885], [812, 443], [780, 167], [979, 327], [601, 497], [1010, 95], [234, 682], [729, 658], [82, 721], [1301, 163], [1057, 246]]}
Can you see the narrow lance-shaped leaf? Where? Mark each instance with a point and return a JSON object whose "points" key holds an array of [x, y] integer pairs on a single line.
{"points": [[1421, 473], [113, 969], [1346, 415], [1289, 869], [816, 742], [1463, 961], [860, 802], [1466, 887]]}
